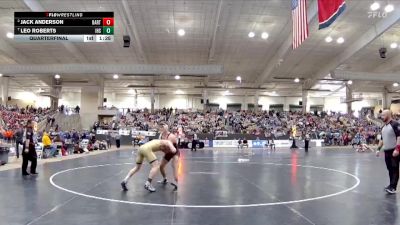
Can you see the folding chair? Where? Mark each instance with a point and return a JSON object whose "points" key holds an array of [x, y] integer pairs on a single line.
{"points": [[39, 150]]}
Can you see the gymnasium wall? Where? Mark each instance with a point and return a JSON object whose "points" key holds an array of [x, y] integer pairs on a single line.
{"points": [[188, 101], [180, 101], [24, 98], [70, 99], [333, 104], [128, 101], [364, 103], [223, 101], [89, 110]]}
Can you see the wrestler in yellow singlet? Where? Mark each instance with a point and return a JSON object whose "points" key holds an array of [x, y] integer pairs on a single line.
{"points": [[147, 150]]}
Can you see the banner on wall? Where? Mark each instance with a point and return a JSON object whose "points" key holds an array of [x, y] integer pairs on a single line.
{"points": [[104, 132], [124, 132], [318, 142], [221, 133], [143, 133], [283, 143], [207, 143], [258, 143], [227, 143], [251, 143]]}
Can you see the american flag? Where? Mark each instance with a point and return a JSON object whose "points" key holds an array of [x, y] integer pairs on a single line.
{"points": [[300, 24]]}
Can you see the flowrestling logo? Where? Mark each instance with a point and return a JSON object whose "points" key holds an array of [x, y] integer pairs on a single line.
{"points": [[259, 143], [377, 14]]}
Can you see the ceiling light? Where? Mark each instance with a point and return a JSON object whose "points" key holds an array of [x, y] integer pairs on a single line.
{"points": [[395, 84], [274, 92], [131, 91], [328, 39], [389, 8], [239, 78], [181, 32], [350, 82], [340, 40], [179, 92], [264, 35], [251, 34], [1, 74], [10, 35], [115, 76], [375, 6], [226, 92], [57, 76], [177, 77], [296, 80], [393, 45]]}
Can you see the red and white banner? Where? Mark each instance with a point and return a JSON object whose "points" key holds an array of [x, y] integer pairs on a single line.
{"points": [[328, 11]]}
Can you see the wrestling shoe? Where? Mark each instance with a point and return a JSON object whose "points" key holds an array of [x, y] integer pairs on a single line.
{"points": [[149, 187], [391, 191], [175, 186], [123, 185], [163, 181]]}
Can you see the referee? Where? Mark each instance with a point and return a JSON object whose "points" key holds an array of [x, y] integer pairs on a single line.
{"points": [[390, 143]]}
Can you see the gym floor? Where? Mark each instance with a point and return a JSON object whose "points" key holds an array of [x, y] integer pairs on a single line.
{"points": [[217, 187]]}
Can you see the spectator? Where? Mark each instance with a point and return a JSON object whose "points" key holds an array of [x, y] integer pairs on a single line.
{"points": [[48, 145], [117, 140], [68, 142], [19, 137], [306, 142], [52, 121], [240, 144], [194, 142], [75, 137], [108, 139]]}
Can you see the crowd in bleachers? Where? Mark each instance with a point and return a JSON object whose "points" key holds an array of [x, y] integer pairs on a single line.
{"points": [[50, 138], [335, 128], [14, 116], [138, 119], [69, 142]]}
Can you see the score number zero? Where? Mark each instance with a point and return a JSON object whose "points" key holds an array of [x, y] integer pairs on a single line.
{"points": [[104, 30], [107, 26]]}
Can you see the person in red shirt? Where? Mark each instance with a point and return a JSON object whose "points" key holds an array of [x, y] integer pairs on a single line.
{"points": [[345, 138]]}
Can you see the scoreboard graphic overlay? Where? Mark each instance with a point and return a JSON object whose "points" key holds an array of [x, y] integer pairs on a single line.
{"points": [[64, 26]]}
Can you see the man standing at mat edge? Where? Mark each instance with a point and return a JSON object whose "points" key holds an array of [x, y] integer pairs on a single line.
{"points": [[28, 151], [390, 143], [146, 151]]}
